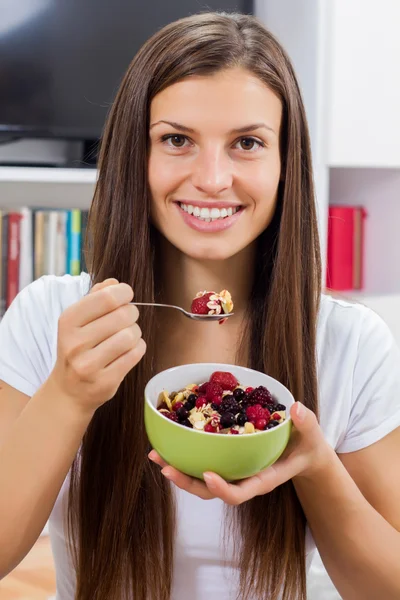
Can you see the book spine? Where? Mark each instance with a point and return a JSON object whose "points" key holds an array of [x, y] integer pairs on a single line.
{"points": [[13, 256], [39, 244], [75, 242], [84, 220], [4, 265], [26, 249]]}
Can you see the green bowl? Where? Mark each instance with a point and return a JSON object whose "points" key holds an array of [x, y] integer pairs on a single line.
{"points": [[193, 452]]}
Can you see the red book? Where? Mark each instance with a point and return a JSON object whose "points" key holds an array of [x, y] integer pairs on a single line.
{"points": [[345, 269], [13, 256]]}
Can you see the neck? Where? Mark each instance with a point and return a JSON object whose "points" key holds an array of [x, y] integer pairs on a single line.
{"points": [[182, 277]]}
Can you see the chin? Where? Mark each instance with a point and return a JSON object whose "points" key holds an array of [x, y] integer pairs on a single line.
{"points": [[216, 252]]}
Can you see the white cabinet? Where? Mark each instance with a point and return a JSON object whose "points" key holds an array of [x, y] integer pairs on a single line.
{"points": [[364, 83]]}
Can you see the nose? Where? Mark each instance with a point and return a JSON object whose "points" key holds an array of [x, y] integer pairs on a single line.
{"points": [[212, 172]]}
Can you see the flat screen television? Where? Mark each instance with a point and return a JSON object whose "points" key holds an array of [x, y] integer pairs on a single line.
{"points": [[61, 61]]}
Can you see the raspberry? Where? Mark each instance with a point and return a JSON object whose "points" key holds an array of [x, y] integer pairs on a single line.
{"points": [[260, 395], [261, 424], [199, 304], [201, 401], [276, 416], [203, 388], [249, 389], [224, 379], [214, 390], [256, 412], [210, 429], [234, 431], [177, 406]]}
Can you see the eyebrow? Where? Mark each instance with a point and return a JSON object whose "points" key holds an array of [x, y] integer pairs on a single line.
{"points": [[244, 129]]}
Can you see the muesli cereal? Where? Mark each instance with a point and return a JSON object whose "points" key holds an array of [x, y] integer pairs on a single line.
{"points": [[223, 405]]}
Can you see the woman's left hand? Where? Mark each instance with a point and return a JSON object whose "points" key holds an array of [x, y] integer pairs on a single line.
{"points": [[306, 454]]}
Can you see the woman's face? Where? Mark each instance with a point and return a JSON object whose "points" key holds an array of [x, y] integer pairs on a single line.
{"points": [[214, 163]]}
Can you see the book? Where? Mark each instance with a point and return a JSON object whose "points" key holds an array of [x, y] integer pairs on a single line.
{"points": [[13, 256], [74, 242], [4, 263], [26, 249], [345, 268]]}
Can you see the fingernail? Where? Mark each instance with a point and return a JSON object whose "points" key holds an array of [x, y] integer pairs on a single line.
{"points": [[300, 411], [151, 455], [166, 474], [208, 479]]}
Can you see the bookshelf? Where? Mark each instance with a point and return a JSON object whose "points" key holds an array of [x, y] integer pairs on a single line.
{"points": [[46, 175], [351, 90]]}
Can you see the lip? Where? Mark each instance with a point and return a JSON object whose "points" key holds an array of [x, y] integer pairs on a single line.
{"points": [[212, 226]]}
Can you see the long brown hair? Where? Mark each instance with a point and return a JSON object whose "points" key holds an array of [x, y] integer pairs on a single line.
{"points": [[121, 518]]}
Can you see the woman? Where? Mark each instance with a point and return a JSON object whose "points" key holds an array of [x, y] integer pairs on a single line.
{"points": [[209, 115]]}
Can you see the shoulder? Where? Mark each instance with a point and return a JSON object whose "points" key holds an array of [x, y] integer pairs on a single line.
{"points": [[51, 294], [345, 322]]}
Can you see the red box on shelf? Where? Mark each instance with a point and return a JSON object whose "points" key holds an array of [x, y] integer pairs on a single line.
{"points": [[345, 264]]}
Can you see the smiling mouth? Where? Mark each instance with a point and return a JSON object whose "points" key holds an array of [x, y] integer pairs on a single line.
{"points": [[209, 214]]}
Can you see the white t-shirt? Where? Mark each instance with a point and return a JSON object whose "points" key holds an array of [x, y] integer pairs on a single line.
{"points": [[359, 394]]}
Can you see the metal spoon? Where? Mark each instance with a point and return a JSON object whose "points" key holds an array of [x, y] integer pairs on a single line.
{"points": [[186, 313]]}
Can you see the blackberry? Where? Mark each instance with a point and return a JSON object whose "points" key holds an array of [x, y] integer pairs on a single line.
{"points": [[280, 407], [182, 413], [260, 395], [238, 394], [229, 404], [241, 419], [271, 408], [215, 406], [227, 420]]}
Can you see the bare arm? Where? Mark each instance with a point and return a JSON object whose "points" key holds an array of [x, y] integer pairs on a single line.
{"points": [[35, 456], [355, 520], [99, 341]]}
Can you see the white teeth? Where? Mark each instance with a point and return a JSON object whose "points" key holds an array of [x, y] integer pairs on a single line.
{"points": [[209, 214]]}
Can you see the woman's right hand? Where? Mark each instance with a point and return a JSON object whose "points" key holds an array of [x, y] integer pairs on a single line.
{"points": [[99, 342]]}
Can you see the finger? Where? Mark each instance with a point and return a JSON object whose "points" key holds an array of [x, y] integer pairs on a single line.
{"points": [[188, 484], [104, 327], [155, 457], [122, 365], [102, 355], [262, 483], [99, 303], [102, 284]]}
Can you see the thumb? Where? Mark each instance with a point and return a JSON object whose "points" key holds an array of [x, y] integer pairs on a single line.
{"points": [[303, 418]]}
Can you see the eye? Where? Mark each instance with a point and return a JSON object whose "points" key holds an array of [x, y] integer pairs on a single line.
{"points": [[175, 140], [250, 144]]}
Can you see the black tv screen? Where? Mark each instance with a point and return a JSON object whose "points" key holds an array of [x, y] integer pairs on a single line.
{"points": [[61, 61]]}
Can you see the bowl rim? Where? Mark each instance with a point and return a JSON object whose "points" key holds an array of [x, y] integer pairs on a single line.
{"points": [[235, 437]]}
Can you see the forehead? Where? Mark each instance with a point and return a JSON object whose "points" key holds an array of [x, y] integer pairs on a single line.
{"points": [[225, 99]]}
